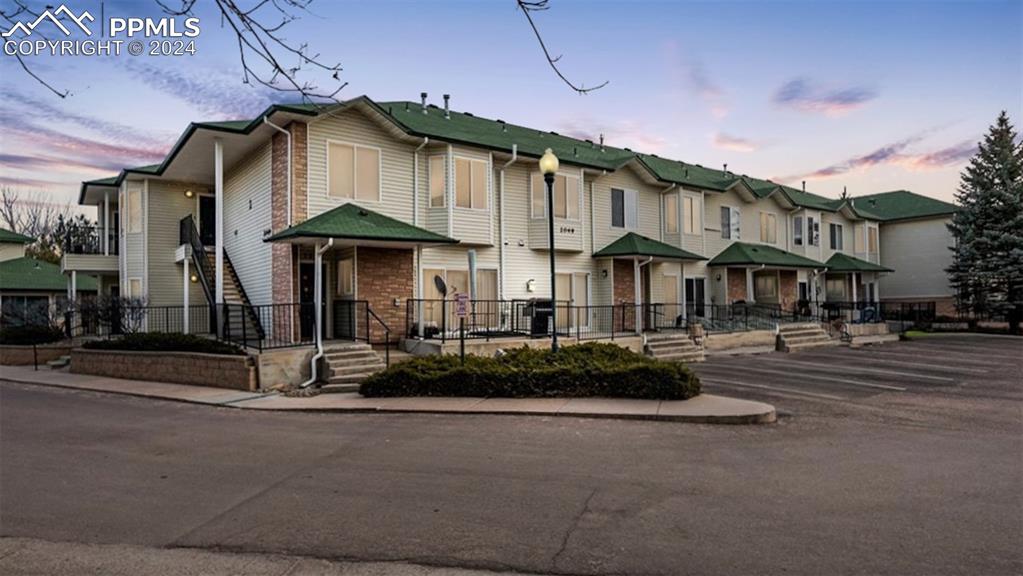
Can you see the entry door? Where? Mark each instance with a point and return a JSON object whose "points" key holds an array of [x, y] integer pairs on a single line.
{"points": [[695, 295], [307, 298], [208, 220], [563, 292]]}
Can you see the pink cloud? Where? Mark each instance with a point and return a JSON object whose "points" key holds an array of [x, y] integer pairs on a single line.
{"points": [[733, 143]]}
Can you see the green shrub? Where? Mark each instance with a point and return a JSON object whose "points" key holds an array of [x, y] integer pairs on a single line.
{"points": [[590, 369], [30, 334], [169, 342]]}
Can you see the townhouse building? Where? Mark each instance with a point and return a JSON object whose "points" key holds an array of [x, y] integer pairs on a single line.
{"points": [[392, 208]]}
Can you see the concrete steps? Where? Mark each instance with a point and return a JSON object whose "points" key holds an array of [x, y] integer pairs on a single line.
{"points": [[673, 348], [795, 337], [347, 365]]}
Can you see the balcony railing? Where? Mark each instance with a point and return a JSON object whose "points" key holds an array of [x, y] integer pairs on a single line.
{"points": [[89, 240]]}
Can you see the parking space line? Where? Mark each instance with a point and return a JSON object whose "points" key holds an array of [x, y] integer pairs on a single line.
{"points": [[969, 349], [907, 353], [716, 381], [860, 369], [804, 376], [887, 361]]}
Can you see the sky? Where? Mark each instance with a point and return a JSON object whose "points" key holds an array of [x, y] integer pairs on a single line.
{"points": [[846, 95]]}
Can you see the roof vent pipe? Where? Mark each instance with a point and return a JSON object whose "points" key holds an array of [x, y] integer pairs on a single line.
{"points": [[601, 141], [447, 111], [726, 167], [804, 185], [422, 99]]}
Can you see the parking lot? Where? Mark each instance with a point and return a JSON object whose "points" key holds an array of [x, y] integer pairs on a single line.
{"points": [[927, 370]]}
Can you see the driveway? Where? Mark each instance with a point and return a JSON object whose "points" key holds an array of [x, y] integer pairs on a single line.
{"points": [[858, 477]]}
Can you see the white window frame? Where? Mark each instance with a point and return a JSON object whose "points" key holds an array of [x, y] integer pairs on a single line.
{"points": [[877, 239], [429, 181], [543, 192], [130, 202], [798, 232], [355, 170], [836, 242], [734, 222], [132, 280], [692, 215], [339, 289], [454, 183], [666, 213], [765, 237], [630, 220]]}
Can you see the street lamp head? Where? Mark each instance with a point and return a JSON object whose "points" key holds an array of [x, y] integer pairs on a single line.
{"points": [[548, 162]]}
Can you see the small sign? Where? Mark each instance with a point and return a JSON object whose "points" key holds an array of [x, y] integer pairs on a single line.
{"points": [[461, 305]]}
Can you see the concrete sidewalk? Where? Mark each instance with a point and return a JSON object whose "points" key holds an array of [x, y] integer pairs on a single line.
{"points": [[706, 408]]}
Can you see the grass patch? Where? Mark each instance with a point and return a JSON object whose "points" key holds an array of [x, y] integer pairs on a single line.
{"points": [[159, 342], [592, 369]]}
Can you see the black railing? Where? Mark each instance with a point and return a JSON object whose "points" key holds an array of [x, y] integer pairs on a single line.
{"points": [[269, 326], [356, 320], [739, 317], [188, 235], [605, 322], [89, 240], [909, 311], [851, 312]]}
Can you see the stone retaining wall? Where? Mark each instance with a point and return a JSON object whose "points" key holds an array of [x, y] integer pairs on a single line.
{"points": [[216, 370], [11, 355]]}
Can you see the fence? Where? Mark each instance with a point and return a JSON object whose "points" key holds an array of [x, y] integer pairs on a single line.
{"points": [[909, 311], [89, 240]]}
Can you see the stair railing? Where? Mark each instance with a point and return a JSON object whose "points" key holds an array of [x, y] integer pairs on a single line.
{"points": [[188, 235], [387, 333]]}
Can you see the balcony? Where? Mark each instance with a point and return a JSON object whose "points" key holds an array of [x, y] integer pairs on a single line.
{"points": [[89, 250]]}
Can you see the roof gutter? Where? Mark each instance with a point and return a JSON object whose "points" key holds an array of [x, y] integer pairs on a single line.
{"points": [[287, 135]]}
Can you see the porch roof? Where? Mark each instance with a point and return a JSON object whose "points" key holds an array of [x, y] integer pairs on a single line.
{"points": [[633, 244], [743, 254], [8, 237], [28, 274], [844, 263], [352, 222]]}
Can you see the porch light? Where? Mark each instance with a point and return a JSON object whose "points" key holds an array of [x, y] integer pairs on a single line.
{"points": [[189, 193], [193, 278], [548, 162]]}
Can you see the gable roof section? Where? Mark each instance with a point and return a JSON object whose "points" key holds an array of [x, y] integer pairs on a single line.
{"points": [[743, 254], [902, 205], [633, 244], [8, 237], [28, 274], [350, 221], [844, 263]]}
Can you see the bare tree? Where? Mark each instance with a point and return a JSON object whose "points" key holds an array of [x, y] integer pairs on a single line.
{"points": [[32, 214]]}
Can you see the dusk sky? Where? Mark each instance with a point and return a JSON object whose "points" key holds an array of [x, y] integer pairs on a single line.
{"points": [[871, 96]]}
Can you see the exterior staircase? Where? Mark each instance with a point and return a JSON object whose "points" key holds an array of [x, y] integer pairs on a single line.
{"points": [[673, 348], [795, 337], [347, 364], [241, 322]]}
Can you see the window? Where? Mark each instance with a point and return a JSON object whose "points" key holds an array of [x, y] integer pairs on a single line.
{"points": [[623, 209], [438, 180], [346, 277], [671, 213], [765, 287], [836, 236], [730, 222], [768, 228], [353, 172], [813, 229], [566, 196], [797, 230], [134, 287], [858, 239], [134, 210], [872, 240], [471, 183], [834, 288], [690, 215]]}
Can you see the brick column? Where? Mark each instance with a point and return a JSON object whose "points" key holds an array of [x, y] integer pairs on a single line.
{"points": [[383, 274], [623, 290], [284, 267], [737, 285]]}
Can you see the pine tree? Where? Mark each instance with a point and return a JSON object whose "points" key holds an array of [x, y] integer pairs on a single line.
{"points": [[987, 266]]}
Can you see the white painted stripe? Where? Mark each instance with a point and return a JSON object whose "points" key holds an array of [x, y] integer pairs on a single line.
{"points": [[887, 361], [716, 381], [861, 370], [889, 353], [828, 379]]}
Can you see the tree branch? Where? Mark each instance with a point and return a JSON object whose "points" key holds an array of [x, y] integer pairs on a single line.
{"points": [[539, 5]]}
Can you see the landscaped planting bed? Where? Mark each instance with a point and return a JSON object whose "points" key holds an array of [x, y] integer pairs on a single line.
{"points": [[165, 342], [586, 370]]}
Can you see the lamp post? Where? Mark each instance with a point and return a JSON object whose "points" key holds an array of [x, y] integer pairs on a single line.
{"points": [[549, 167]]}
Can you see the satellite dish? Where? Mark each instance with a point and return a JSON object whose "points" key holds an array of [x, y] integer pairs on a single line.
{"points": [[442, 287]]}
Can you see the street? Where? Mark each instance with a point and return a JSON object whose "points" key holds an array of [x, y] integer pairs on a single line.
{"points": [[898, 459]]}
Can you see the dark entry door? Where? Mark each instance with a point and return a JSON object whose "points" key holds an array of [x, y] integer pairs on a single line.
{"points": [[208, 220], [307, 299], [694, 297]]}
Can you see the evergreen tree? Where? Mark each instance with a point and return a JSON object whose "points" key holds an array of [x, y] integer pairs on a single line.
{"points": [[987, 266]]}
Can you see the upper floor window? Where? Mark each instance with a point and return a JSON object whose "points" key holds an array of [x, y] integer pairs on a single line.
{"points": [[858, 239], [690, 215], [836, 236], [353, 171], [346, 277], [623, 209], [671, 213], [797, 230], [134, 210], [768, 228], [438, 180], [813, 231], [730, 222], [566, 196], [471, 183], [872, 240]]}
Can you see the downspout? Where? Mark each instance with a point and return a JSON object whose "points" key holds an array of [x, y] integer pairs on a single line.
{"points": [[500, 221], [318, 279], [287, 135], [415, 222]]}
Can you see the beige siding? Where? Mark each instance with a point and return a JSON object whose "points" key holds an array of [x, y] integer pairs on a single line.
{"points": [[246, 218], [11, 251], [919, 252], [166, 207], [133, 244], [648, 207]]}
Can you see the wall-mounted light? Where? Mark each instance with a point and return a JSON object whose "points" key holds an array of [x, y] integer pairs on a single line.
{"points": [[717, 278], [603, 273], [531, 285], [193, 278], [189, 193]]}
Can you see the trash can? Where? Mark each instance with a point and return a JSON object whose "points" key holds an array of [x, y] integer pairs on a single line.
{"points": [[540, 312]]}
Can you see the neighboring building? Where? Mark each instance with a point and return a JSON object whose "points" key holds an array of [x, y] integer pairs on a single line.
{"points": [[918, 243], [31, 291], [396, 194]]}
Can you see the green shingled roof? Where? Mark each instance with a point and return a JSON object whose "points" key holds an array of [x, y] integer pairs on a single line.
{"points": [[743, 254], [8, 237], [902, 205], [633, 244], [689, 174], [29, 274], [350, 221], [844, 263]]}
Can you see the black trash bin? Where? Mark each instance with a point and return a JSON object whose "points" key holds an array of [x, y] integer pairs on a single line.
{"points": [[540, 312]]}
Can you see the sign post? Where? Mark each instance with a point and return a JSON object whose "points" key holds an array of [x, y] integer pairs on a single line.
{"points": [[461, 309]]}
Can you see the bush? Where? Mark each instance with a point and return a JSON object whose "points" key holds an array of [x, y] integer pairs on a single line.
{"points": [[165, 342], [590, 369], [30, 334]]}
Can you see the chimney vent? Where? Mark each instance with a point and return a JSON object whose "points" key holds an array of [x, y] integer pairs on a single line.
{"points": [[804, 185], [447, 110], [422, 99], [726, 168], [601, 141]]}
